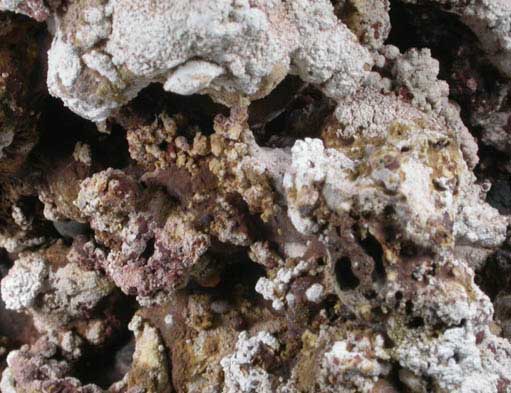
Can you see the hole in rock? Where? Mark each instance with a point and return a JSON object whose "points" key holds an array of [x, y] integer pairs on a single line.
{"points": [[409, 307], [344, 274], [60, 130], [495, 275], [149, 249], [163, 146], [499, 195], [108, 363], [30, 205], [373, 248], [335, 310], [5, 262], [408, 249], [237, 273], [415, 323], [241, 270], [292, 111], [268, 108], [370, 295], [198, 111]]}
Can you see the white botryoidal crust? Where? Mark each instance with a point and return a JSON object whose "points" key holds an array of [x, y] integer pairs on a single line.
{"points": [[393, 134], [315, 293], [242, 374], [311, 165], [456, 362], [24, 282], [64, 65], [64, 293], [406, 156], [102, 64], [10, 4], [356, 363], [227, 49], [275, 290], [36, 9], [328, 53], [418, 72]]}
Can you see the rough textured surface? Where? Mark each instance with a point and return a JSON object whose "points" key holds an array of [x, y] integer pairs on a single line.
{"points": [[104, 53], [255, 196]]}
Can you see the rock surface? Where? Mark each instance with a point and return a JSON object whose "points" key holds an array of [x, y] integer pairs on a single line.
{"points": [[234, 196]]}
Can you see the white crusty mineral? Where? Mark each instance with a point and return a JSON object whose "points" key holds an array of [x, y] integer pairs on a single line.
{"points": [[102, 55], [242, 373], [24, 282]]}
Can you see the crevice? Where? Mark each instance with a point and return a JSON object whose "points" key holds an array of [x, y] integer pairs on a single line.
{"points": [[196, 111], [398, 385], [472, 79], [415, 323], [499, 195], [495, 275], [373, 248], [60, 130], [270, 107], [296, 111], [109, 362], [344, 274], [494, 167], [237, 273], [104, 366], [149, 249], [32, 207]]}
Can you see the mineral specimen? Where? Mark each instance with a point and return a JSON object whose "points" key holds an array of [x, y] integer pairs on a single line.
{"points": [[240, 196]]}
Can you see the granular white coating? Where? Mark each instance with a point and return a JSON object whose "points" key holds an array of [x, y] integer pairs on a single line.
{"points": [[192, 77], [242, 374], [315, 293], [64, 64], [25, 280], [276, 289], [225, 48], [356, 363]]}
